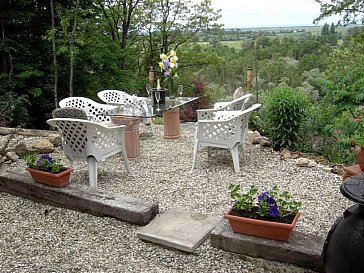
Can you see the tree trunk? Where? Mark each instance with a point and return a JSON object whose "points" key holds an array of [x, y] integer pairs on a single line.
{"points": [[55, 91]]}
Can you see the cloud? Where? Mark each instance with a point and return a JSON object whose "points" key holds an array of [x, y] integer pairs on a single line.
{"points": [[268, 13]]}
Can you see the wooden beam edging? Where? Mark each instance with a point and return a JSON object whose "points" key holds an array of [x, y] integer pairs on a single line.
{"points": [[302, 249], [26, 132], [81, 198]]}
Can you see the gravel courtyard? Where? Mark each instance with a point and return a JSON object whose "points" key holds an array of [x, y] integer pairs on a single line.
{"points": [[40, 238]]}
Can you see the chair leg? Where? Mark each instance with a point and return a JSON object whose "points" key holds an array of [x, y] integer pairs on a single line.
{"points": [[92, 166], [126, 161], [195, 154], [209, 151], [71, 166], [235, 154]]}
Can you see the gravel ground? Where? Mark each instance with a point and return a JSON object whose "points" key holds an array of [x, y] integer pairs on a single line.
{"points": [[40, 238]]}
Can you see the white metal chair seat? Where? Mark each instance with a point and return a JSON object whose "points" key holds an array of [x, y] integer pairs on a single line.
{"points": [[222, 129], [94, 110], [234, 105], [90, 141]]}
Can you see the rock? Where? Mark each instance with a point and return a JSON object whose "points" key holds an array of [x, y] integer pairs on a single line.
{"points": [[42, 146], [327, 169], [22, 149], [2, 159], [285, 153], [305, 162], [12, 156], [254, 137], [295, 155], [265, 142], [55, 139]]}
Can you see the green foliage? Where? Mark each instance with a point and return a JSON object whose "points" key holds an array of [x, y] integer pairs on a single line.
{"points": [[243, 201], [285, 111], [273, 203]]}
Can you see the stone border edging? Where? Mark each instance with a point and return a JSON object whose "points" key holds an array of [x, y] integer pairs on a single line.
{"points": [[302, 249], [81, 198], [26, 132]]}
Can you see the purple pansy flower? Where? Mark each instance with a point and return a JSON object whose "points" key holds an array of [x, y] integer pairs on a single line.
{"points": [[273, 211]]}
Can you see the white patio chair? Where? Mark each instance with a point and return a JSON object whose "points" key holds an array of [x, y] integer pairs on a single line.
{"points": [[222, 129], [234, 105], [94, 110], [90, 141], [117, 97]]}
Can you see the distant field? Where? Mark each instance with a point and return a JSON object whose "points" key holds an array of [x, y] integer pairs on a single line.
{"points": [[234, 38]]}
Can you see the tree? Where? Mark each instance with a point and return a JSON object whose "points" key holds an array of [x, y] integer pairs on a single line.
{"points": [[352, 11]]}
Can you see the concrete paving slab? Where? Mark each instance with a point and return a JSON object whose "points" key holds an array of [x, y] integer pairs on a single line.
{"points": [[301, 249], [180, 229]]}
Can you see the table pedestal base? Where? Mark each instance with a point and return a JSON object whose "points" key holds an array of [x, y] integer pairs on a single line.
{"points": [[171, 124], [131, 134]]}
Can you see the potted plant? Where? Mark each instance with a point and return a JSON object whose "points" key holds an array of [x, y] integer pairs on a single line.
{"points": [[44, 169], [273, 216], [350, 133]]}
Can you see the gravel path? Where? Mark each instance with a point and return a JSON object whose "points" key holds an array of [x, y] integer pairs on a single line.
{"points": [[40, 238]]}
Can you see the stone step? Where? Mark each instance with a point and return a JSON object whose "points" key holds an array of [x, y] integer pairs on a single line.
{"points": [[80, 197], [302, 249], [179, 229]]}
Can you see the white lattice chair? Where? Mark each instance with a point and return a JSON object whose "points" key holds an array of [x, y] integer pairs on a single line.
{"points": [[94, 110], [90, 141], [234, 105], [115, 97], [222, 129]]}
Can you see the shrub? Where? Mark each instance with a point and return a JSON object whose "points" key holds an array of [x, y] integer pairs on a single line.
{"points": [[285, 110]]}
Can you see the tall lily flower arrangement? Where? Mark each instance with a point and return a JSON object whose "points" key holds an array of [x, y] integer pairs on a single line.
{"points": [[168, 66]]}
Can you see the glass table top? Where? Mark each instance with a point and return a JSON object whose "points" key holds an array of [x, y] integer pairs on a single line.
{"points": [[144, 107]]}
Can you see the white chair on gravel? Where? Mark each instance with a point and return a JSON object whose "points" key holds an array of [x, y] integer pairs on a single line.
{"points": [[94, 110], [123, 99], [115, 97], [222, 129], [90, 141], [234, 105]]}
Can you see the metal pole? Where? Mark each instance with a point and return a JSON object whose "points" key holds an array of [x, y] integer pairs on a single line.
{"points": [[256, 68]]}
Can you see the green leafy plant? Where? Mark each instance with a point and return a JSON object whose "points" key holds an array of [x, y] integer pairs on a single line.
{"points": [[43, 162], [349, 129], [273, 203], [285, 110]]}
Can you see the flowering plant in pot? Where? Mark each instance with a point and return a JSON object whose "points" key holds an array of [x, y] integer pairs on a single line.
{"points": [[270, 214], [44, 169]]}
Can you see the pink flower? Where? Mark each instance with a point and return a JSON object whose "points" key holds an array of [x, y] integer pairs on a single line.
{"points": [[356, 119], [338, 131], [357, 149]]}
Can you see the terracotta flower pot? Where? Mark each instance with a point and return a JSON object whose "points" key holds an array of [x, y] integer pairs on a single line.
{"points": [[57, 180], [261, 228], [360, 159]]}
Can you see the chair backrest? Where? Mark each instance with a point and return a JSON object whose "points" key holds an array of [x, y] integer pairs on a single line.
{"points": [[69, 112], [92, 108], [83, 138], [114, 96], [238, 104], [238, 93]]}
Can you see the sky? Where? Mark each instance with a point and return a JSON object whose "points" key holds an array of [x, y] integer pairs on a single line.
{"points": [[269, 13]]}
